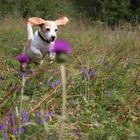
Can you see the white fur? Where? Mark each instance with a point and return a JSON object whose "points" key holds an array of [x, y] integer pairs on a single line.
{"points": [[29, 31], [39, 48]]}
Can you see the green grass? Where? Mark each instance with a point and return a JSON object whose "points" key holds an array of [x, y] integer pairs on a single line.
{"points": [[103, 108]]}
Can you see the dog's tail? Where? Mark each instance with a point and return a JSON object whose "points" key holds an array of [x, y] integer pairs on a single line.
{"points": [[29, 31]]}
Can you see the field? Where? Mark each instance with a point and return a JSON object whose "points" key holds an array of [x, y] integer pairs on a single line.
{"points": [[103, 105]]}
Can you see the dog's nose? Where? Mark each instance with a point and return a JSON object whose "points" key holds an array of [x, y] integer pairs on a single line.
{"points": [[53, 38]]}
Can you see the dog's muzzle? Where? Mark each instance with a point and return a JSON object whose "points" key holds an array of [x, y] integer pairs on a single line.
{"points": [[53, 38]]}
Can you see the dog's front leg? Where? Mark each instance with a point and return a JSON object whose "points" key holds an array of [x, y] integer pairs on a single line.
{"points": [[37, 53]]}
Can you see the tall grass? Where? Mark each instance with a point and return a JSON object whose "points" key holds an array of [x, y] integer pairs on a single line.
{"points": [[104, 107]]}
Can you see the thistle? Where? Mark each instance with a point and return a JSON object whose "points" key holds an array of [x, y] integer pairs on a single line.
{"points": [[62, 49], [24, 61]]}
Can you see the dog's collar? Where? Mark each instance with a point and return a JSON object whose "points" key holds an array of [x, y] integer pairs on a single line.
{"points": [[45, 40]]}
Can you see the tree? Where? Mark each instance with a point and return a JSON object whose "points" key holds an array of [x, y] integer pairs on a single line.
{"points": [[114, 11], [135, 7]]}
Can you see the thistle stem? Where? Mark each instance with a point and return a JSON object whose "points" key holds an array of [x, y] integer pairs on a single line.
{"points": [[21, 99], [64, 97]]}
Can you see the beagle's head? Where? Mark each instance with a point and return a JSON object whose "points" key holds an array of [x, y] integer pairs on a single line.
{"points": [[48, 29]]}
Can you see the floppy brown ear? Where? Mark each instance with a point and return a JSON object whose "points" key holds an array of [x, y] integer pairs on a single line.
{"points": [[62, 21], [36, 21]]}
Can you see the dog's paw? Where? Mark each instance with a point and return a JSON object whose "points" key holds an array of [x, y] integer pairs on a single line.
{"points": [[41, 62], [39, 56], [52, 56]]}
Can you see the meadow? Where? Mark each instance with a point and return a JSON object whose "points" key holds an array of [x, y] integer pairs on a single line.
{"points": [[102, 105]]}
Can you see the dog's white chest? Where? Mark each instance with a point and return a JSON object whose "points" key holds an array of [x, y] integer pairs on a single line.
{"points": [[44, 48]]}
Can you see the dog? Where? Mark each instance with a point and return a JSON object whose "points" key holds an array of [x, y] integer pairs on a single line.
{"points": [[43, 39]]}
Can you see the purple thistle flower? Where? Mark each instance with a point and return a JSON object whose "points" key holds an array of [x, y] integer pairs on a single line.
{"points": [[84, 73], [25, 117], [91, 73], [61, 46], [12, 119], [23, 58]]}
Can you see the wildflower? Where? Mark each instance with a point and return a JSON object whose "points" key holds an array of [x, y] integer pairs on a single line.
{"points": [[84, 73], [16, 130], [12, 119], [88, 75], [48, 115], [91, 73], [39, 120], [25, 73], [58, 82], [25, 117], [24, 61], [61, 48], [21, 130], [23, 58], [3, 126], [31, 71], [52, 84]]}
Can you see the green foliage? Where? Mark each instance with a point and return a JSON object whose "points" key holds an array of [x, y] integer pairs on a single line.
{"points": [[115, 10], [42, 8], [111, 11]]}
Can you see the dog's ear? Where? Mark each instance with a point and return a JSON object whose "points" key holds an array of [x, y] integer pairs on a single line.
{"points": [[62, 21], [41, 25], [36, 21]]}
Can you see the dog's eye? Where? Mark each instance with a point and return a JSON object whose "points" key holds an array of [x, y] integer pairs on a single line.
{"points": [[47, 29], [55, 30]]}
